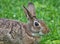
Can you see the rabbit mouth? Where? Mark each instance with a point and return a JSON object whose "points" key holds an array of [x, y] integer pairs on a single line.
{"points": [[41, 34], [37, 34]]}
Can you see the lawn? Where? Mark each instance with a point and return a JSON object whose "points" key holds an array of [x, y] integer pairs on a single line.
{"points": [[47, 10]]}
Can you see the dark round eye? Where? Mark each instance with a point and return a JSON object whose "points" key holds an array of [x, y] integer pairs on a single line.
{"points": [[36, 24]]}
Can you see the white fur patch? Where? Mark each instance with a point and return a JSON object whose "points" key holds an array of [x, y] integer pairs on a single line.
{"points": [[41, 33], [33, 34]]}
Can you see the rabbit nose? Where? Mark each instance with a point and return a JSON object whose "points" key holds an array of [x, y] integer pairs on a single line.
{"points": [[45, 31], [48, 31]]}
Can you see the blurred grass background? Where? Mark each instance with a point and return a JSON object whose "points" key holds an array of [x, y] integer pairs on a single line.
{"points": [[47, 10]]}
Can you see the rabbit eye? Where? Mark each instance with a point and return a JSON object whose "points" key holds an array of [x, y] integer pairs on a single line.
{"points": [[36, 23]]}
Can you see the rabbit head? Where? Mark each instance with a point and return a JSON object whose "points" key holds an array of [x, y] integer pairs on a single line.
{"points": [[36, 26]]}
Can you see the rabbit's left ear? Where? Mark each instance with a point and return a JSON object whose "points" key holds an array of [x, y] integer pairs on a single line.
{"points": [[28, 14], [31, 9]]}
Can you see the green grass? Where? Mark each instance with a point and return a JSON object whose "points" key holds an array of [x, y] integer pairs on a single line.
{"points": [[48, 10]]}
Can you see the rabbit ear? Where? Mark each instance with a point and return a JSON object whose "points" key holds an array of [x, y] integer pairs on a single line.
{"points": [[27, 13], [31, 9]]}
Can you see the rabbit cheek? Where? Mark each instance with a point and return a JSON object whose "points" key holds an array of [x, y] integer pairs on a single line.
{"points": [[37, 29]]}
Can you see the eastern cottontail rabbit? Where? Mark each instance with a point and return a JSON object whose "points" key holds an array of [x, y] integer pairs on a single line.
{"points": [[21, 33]]}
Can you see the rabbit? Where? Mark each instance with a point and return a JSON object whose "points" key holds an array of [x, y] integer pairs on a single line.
{"points": [[16, 32]]}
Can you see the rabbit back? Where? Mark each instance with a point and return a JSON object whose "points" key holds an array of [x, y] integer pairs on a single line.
{"points": [[12, 27]]}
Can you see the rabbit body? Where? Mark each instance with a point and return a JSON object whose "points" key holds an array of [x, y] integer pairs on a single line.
{"points": [[15, 32]]}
